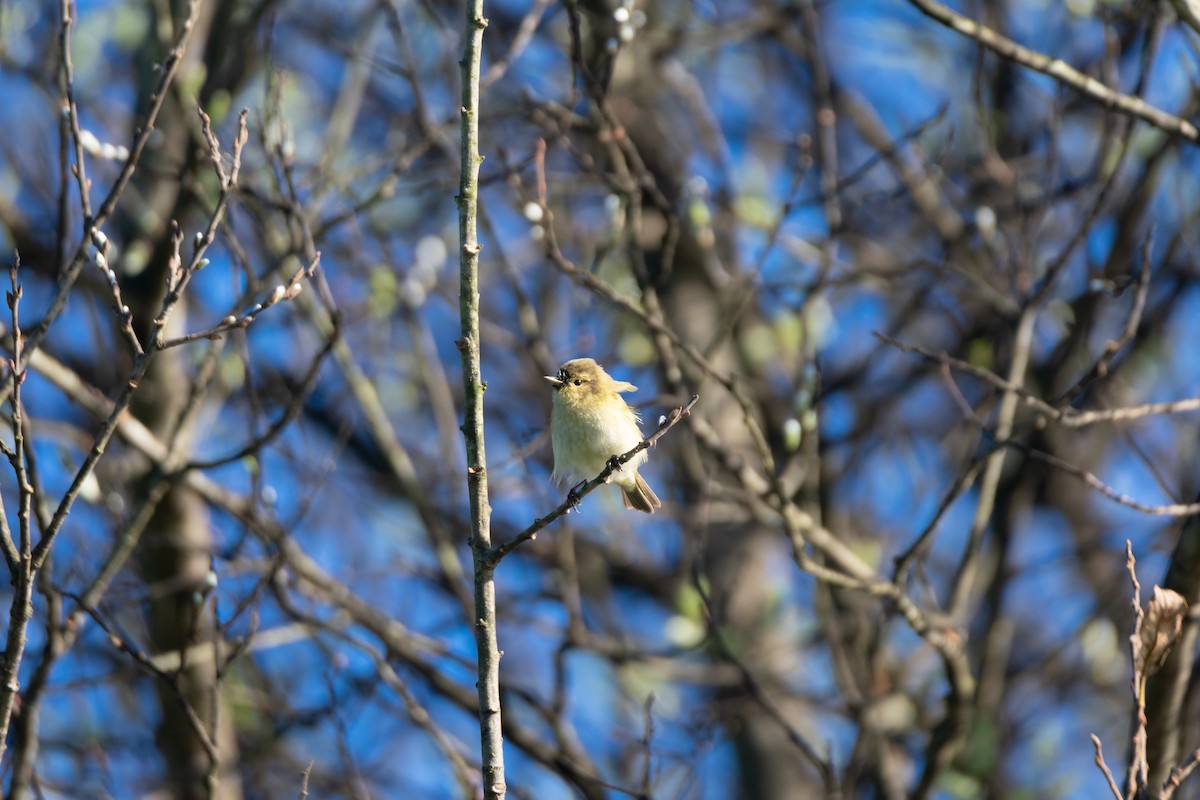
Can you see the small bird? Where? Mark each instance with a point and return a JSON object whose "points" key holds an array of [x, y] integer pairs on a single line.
{"points": [[590, 423]]}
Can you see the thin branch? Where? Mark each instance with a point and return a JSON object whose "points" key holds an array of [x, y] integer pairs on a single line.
{"points": [[146, 663], [809, 751], [1164, 510], [79, 170], [1128, 333], [524, 34], [93, 232], [21, 608], [1179, 775], [1112, 782], [1067, 417], [304, 773], [490, 718], [1136, 782], [1059, 70], [177, 281]]}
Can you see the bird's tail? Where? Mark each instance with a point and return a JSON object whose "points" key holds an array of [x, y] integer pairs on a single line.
{"points": [[638, 495]]}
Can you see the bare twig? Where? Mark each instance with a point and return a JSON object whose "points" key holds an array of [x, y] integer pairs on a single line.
{"points": [[1136, 781], [177, 282], [93, 225], [518, 43], [1163, 510], [1067, 417], [1132, 322], [1179, 775], [1112, 782], [24, 569], [146, 663], [1059, 70], [809, 751], [304, 773]]}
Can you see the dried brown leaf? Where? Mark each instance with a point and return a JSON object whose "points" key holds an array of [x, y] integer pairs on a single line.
{"points": [[1159, 630]]}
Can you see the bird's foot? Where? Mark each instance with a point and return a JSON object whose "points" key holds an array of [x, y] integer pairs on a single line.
{"points": [[573, 499]]}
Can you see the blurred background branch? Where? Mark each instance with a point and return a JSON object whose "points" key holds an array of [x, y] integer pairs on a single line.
{"points": [[932, 270]]}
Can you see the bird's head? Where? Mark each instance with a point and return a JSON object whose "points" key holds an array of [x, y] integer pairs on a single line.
{"points": [[582, 379]]}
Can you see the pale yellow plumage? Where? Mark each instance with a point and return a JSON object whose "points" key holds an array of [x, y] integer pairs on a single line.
{"points": [[590, 423]]}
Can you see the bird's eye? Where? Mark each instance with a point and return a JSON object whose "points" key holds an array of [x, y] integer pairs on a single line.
{"points": [[578, 382]]}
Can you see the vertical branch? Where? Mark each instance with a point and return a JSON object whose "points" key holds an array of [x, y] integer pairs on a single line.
{"points": [[1136, 774], [491, 738], [21, 610]]}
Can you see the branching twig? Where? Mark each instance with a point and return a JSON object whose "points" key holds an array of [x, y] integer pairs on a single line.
{"points": [[177, 282], [809, 751], [1059, 70], [146, 663], [93, 226], [1067, 417], [1179, 775], [24, 569], [1128, 332]]}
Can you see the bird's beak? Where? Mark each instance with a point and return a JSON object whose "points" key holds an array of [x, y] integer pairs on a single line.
{"points": [[553, 380]]}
